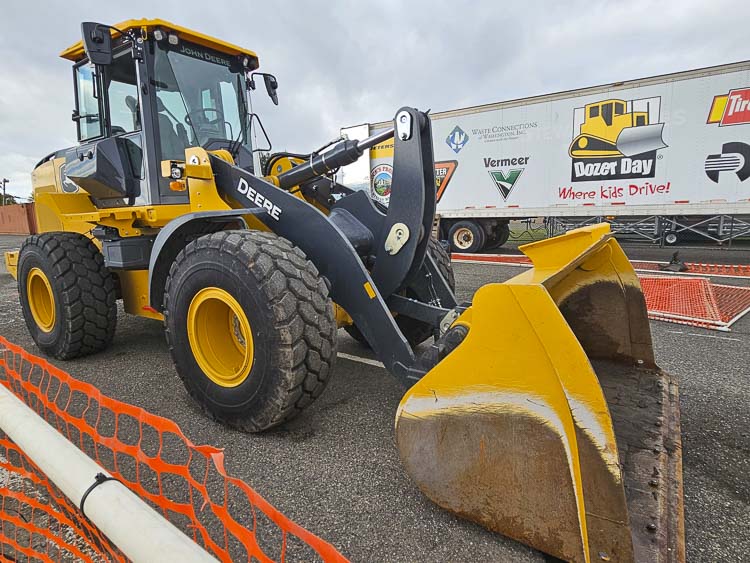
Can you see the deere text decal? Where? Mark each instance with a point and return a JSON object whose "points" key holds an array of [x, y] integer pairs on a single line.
{"points": [[616, 139]]}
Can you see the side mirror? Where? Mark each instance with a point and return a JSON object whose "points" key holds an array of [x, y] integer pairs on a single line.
{"points": [[271, 86], [97, 42]]}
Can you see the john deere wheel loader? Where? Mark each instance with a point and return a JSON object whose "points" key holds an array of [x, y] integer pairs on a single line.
{"points": [[538, 411]]}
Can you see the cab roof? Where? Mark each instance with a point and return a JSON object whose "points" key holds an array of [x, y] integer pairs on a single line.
{"points": [[76, 52]]}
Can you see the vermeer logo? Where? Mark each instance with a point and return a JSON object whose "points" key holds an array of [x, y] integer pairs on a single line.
{"points": [[616, 139], [730, 109], [505, 180]]}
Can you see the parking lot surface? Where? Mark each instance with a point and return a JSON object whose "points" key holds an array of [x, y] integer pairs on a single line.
{"points": [[335, 469]]}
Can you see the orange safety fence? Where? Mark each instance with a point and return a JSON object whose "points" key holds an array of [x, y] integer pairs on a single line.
{"points": [[671, 297], [722, 270], [186, 483], [694, 301]]}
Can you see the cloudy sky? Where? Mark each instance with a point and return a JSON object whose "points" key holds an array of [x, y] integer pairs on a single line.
{"points": [[342, 63]]}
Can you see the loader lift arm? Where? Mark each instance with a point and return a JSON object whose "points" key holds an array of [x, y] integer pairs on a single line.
{"points": [[328, 240]]}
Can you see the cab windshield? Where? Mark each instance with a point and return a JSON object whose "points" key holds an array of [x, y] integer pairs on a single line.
{"points": [[200, 101]]}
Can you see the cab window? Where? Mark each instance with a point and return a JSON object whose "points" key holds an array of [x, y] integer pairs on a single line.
{"points": [[122, 94], [87, 104]]}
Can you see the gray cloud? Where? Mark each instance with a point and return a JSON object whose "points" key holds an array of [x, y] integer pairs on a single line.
{"points": [[341, 63]]}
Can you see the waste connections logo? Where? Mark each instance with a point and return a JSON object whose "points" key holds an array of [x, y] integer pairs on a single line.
{"points": [[615, 139], [457, 139], [505, 179], [734, 157], [443, 173], [380, 183], [730, 109], [503, 132]]}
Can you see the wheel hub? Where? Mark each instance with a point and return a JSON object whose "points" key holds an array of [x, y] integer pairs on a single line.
{"points": [[220, 337], [463, 238], [41, 299]]}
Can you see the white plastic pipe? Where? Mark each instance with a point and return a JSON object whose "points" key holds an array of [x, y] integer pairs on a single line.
{"points": [[140, 532]]}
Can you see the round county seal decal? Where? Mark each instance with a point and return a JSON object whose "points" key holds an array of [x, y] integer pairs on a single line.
{"points": [[380, 183]]}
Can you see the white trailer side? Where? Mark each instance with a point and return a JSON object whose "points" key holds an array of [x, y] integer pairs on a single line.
{"points": [[666, 154]]}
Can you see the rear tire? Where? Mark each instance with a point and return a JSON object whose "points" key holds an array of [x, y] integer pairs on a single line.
{"points": [[503, 232], [416, 331], [68, 297], [466, 236], [280, 319]]}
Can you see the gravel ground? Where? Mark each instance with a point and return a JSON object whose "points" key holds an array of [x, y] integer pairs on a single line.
{"points": [[336, 471]]}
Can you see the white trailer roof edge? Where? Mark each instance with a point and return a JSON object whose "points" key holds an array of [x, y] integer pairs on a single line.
{"points": [[586, 91]]}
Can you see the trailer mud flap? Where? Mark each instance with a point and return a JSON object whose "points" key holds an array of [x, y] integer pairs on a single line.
{"points": [[513, 429]]}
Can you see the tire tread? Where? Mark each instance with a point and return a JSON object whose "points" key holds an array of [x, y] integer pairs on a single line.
{"points": [[304, 323], [87, 290]]}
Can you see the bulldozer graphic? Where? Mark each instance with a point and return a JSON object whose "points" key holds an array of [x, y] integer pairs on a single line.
{"points": [[617, 128]]}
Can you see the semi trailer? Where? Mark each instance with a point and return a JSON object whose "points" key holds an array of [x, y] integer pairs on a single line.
{"points": [[664, 159]]}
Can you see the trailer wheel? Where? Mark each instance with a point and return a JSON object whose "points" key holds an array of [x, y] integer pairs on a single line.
{"points": [[671, 238], [250, 327], [503, 234], [466, 236], [416, 331], [68, 297]]}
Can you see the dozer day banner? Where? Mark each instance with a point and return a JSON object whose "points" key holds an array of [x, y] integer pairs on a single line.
{"points": [[664, 143]]}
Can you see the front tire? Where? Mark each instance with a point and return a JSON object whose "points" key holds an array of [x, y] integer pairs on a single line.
{"points": [[250, 327], [68, 297]]}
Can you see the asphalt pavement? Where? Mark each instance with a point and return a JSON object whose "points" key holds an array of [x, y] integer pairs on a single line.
{"points": [[335, 469]]}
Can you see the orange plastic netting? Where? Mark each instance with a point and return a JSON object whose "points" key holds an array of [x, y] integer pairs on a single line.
{"points": [[694, 301], [724, 270], [151, 455]]}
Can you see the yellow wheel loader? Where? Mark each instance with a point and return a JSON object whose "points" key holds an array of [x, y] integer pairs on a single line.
{"points": [[537, 410]]}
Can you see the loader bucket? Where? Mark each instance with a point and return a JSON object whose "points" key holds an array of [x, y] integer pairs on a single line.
{"points": [[550, 422]]}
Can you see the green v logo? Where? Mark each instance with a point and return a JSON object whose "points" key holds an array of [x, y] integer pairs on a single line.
{"points": [[505, 182]]}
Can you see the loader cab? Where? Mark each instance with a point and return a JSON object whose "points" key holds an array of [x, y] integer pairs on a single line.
{"points": [[154, 91]]}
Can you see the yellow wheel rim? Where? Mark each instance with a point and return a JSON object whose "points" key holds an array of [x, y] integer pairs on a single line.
{"points": [[41, 299], [220, 337]]}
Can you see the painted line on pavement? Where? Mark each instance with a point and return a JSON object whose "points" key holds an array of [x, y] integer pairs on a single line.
{"points": [[361, 360], [712, 336]]}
